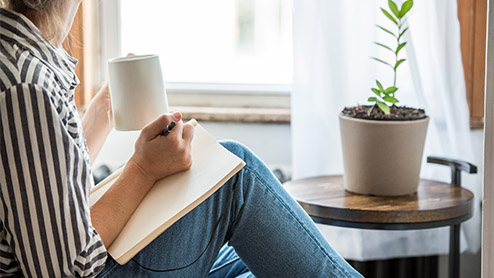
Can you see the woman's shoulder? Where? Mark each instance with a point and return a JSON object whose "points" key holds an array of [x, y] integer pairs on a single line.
{"points": [[22, 68]]}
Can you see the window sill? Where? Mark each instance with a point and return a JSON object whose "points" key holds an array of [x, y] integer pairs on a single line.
{"points": [[235, 114]]}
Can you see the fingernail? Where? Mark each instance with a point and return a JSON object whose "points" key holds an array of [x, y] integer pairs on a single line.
{"points": [[177, 116]]}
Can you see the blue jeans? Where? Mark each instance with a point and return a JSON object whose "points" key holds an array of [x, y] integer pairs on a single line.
{"points": [[252, 216]]}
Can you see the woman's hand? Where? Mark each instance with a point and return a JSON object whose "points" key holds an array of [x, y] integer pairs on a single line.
{"points": [[103, 99], [158, 156], [98, 121]]}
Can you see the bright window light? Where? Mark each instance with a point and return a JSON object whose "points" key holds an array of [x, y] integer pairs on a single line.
{"points": [[213, 41]]}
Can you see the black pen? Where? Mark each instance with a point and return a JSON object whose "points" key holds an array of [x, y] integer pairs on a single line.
{"points": [[168, 129]]}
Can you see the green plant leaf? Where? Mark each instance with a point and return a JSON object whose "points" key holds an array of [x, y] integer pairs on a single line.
{"points": [[384, 107], [399, 63], [372, 99], [388, 15], [379, 60], [391, 99], [390, 90], [394, 8], [380, 86], [385, 46], [402, 33], [376, 91], [400, 47], [406, 7], [386, 30]]}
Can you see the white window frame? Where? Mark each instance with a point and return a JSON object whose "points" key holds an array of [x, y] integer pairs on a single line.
{"points": [[190, 94], [488, 181]]}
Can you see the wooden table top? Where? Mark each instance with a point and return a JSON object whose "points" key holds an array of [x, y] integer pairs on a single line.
{"points": [[324, 197]]}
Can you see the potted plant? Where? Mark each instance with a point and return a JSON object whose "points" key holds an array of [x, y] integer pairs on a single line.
{"points": [[383, 143]]}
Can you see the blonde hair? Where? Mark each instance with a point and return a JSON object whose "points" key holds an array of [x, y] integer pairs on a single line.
{"points": [[40, 12]]}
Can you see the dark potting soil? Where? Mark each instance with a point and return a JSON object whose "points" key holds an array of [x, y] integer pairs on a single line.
{"points": [[372, 112]]}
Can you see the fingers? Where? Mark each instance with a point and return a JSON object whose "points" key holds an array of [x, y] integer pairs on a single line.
{"points": [[156, 127], [187, 130], [181, 130], [177, 116], [188, 133], [178, 130]]}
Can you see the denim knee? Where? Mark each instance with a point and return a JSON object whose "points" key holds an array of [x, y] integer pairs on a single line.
{"points": [[253, 162], [236, 148]]}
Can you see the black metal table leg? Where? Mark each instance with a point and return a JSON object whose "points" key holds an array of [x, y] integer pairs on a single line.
{"points": [[454, 251]]}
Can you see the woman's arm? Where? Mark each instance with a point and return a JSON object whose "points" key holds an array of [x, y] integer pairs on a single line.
{"points": [[155, 157], [115, 207], [44, 184], [96, 122]]}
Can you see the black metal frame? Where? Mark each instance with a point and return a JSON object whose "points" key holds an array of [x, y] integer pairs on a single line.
{"points": [[457, 166], [393, 226]]}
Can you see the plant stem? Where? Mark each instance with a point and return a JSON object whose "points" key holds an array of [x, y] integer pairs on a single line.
{"points": [[396, 54]]}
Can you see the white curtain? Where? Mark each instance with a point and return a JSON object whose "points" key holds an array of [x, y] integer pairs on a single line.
{"points": [[333, 43]]}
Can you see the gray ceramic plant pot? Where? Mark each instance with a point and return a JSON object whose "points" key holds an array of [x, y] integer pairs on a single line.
{"points": [[382, 157]]}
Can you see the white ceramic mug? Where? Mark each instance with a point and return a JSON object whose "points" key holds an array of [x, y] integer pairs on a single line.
{"points": [[137, 91]]}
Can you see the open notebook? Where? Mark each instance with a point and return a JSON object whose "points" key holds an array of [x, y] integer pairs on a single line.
{"points": [[172, 197]]}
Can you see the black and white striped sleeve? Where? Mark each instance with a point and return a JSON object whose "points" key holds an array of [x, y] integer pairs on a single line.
{"points": [[44, 196]]}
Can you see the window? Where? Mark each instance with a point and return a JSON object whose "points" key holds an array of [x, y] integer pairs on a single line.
{"points": [[214, 41], [227, 48], [230, 48]]}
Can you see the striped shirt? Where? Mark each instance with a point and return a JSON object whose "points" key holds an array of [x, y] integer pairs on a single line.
{"points": [[45, 178]]}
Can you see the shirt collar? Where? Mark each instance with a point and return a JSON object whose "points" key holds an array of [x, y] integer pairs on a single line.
{"points": [[17, 29]]}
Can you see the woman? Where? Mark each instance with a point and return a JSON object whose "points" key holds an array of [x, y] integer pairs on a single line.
{"points": [[46, 226]]}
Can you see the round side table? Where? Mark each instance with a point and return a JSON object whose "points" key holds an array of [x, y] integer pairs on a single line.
{"points": [[435, 205]]}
